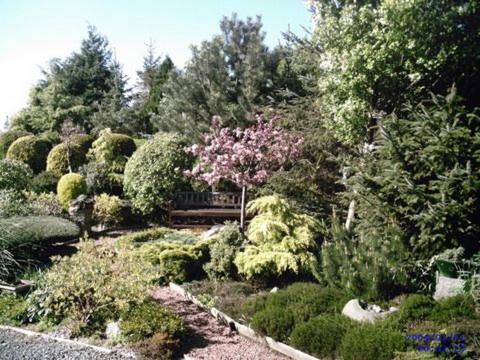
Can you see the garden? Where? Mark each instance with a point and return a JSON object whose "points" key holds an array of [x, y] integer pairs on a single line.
{"points": [[355, 152]]}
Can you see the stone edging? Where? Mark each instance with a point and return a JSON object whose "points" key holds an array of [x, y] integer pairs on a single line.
{"points": [[244, 330], [50, 337]]}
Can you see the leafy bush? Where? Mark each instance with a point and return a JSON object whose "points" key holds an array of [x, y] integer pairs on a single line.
{"points": [[107, 210], [153, 172], [8, 265], [416, 307], [144, 236], [112, 149], [69, 187], [99, 179], [13, 309], [366, 342], [299, 302], [13, 203], [84, 141], [90, 287], [453, 309], [45, 204], [45, 182], [281, 241], [64, 158], [14, 175], [321, 335], [7, 139], [147, 319], [223, 250], [20, 233], [160, 346], [31, 150]]}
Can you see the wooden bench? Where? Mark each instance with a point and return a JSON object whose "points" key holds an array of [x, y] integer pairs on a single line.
{"points": [[195, 206]]}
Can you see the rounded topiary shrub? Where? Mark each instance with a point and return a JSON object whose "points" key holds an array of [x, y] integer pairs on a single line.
{"points": [[7, 138], [69, 187], [321, 335], [154, 172], [45, 182], [275, 322], [84, 141], [112, 149], [31, 150], [14, 175], [367, 342], [62, 156]]}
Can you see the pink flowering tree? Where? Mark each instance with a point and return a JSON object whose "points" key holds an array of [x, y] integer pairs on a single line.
{"points": [[246, 157]]}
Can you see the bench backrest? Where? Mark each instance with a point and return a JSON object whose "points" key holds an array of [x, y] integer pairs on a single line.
{"points": [[199, 200]]}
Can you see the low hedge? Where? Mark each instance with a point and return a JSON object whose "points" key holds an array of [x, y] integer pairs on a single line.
{"points": [[21, 232]]}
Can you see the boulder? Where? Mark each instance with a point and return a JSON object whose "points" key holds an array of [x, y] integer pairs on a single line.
{"points": [[354, 310], [446, 287], [210, 232]]}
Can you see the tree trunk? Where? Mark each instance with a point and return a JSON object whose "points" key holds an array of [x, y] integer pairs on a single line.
{"points": [[350, 215], [242, 211]]}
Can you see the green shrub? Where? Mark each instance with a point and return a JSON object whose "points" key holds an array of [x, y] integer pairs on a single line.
{"points": [[84, 141], [90, 287], [13, 309], [416, 307], [45, 204], [69, 187], [321, 335], [14, 175], [35, 231], [452, 309], [7, 139], [99, 179], [367, 342], [45, 182], [31, 150], [224, 248], [144, 236], [107, 210], [154, 172], [112, 149], [281, 241], [160, 346], [274, 322], [301, 301], [63, 158], [147, 319], [13, 203]]}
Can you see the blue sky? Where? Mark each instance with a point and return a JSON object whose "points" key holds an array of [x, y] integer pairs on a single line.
{"points": [[34, 31]]}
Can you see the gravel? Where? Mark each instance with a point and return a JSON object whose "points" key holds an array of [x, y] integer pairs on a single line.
{"points": [[207, 338], [17, 346]]}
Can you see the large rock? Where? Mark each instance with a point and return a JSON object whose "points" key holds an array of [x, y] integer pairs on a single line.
{"points": [[210, 232], [354, 310], [446, 287]]}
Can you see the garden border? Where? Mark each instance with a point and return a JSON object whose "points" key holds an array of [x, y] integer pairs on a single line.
{"points": [[244, 330], [55, 338]]}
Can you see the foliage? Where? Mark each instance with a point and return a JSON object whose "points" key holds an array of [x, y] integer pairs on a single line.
{"points": [[7, 138], [8, 264], [420, 179], [99, 179], [12, 309], [416, 307], [374, 56], [281, 241], [14, 175], [45, 182], [69, 187], [63, 158], [153, 172], [244, 157], [90, 287], [160, 346], [293, 305], [367, 341], [232, 75], [144, 236], [31, 150], [107, 209], [223, 250], [44, 204], [321, 336], [147, 319], [453, 309], [112, 149], [12, 203], [24, 233]]}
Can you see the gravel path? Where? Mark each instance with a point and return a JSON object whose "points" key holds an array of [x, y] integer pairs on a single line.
{"points": [[17, 346], [206, 338]]}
